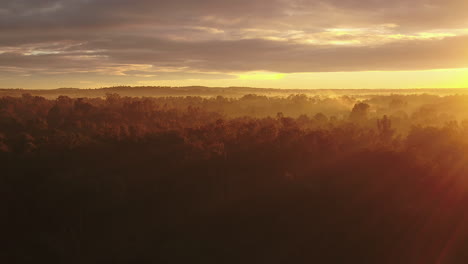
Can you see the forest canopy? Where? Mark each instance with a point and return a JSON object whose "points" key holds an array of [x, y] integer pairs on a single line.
{"points": [[250, 179]]}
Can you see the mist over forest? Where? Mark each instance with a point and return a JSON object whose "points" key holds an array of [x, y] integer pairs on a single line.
{"points": [[231, 92], [234, 131], [98, 176]]}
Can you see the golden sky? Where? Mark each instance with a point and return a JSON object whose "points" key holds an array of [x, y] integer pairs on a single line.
{"points": [[258, 43]]}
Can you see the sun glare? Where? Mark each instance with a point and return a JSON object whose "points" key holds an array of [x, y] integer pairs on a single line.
{"points": [[262, 76]]}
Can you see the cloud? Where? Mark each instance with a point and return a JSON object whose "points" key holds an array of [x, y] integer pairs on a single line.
{"points": [[98, 14], [248, 55], [215, 39]]}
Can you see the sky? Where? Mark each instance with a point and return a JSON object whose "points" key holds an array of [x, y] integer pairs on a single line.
{"points": [[328, 44]]}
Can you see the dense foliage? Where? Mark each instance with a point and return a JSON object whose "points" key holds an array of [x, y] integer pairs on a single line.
{"points": [[218, 180]]}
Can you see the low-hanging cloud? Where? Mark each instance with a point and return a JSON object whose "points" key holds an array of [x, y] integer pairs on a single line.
{"points": [[252, 55]]}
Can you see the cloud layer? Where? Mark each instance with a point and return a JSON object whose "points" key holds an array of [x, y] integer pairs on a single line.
{"points": [[209, 39]]}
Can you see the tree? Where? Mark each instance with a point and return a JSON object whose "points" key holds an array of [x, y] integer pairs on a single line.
{"points": [[384, 127], [360, 112]]}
